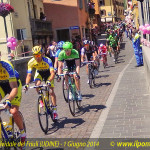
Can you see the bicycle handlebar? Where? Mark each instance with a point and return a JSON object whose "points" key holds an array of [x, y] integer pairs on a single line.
{"points": [[39, 86], [2, 107], [88, 62], [70, 73]]}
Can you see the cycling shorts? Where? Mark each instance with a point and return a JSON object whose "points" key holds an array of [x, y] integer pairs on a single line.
{"points": [[69, 66], [43, 76], [6, 89]]}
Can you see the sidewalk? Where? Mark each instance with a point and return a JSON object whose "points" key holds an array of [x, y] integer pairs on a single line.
{"points": [[128, 107]]}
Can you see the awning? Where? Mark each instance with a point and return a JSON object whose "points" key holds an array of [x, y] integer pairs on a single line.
{"points": [[106, 19]]}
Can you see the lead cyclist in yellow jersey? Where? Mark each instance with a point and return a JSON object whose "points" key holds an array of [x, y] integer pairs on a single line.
{"points": [[44, 71], [10, 84]]}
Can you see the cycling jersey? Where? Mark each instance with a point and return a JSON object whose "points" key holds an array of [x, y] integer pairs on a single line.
{"points": [[89, 53], [103, 50], [74, 55], [113, 43], [69, 63], [44, 65], [43, 69], [8, 75], [7, 72], [57, 53]]}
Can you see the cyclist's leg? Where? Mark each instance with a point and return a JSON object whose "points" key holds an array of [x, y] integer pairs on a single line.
{"points": [[16, 114], [37, 79], [52, 93]]}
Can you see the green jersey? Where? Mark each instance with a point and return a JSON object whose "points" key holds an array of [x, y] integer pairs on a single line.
{"points": [[74, 55], [69, 61]]}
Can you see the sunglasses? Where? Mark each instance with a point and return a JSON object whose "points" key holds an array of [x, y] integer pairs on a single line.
{"points": [[37, 55], [68, 50]]}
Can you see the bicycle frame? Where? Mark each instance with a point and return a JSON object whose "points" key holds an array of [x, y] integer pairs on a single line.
{"points": [[2, 128]]}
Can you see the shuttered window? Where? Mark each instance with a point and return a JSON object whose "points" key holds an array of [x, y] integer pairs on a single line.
{"points": [[80, 4]]}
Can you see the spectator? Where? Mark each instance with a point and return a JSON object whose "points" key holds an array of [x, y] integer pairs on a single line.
{"points": [[137, 48], [42, 16], [51, 51]]}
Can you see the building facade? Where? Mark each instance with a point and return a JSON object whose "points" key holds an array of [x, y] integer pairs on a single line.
{"points": [[111, 10], [26, 26], [69, 18]]}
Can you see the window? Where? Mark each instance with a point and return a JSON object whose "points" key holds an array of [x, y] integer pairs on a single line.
{"points": [[80, 4], [21, 34], [103, 12], [85, 3], [102, 2]]}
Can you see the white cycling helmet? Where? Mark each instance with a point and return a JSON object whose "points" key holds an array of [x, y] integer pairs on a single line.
{"points": [[85, 42], [101, 45]]}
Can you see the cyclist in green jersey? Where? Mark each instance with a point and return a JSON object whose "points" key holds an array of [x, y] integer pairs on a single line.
{"points": [[71, 60]]}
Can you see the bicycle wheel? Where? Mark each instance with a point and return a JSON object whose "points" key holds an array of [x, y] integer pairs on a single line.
{"points": [[93, 77], [42, 115], [115, 56], [64, 87], [78, 102], [90, 76], [71, 100]]}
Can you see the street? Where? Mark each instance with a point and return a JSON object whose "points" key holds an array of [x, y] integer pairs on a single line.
{"points": [[93, 102]]}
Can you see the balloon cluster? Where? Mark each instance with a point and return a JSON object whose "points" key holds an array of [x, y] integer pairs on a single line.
{"points": [[12, 42], [145, 29], [145, 42]]}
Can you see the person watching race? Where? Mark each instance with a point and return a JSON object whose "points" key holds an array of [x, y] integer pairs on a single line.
{"points": [[68, 59], [44, 72], [11, 84]]}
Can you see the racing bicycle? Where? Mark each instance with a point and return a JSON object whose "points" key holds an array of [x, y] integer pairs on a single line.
{"points": [[44, 108]]}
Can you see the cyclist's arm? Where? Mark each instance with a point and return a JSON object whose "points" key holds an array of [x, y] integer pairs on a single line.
{"points": [[60, 66], [14, 90], [77, 61], [56, 62], [28, 78], [52, 75], [82, 54]]}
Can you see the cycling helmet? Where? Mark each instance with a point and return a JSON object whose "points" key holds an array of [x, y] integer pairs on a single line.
{"points": [[101, 45], [86, 42], [60, 44], [36, 50], [67, 45]]}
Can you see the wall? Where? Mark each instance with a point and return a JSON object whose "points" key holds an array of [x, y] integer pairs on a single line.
{"points": [[146, 56], [21, 66]]}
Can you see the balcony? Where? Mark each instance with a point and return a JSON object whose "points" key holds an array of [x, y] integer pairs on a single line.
{"points": [[39, 27]]}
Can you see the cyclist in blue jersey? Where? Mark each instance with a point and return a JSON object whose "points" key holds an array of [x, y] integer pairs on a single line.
{"points": [[60, 47]]}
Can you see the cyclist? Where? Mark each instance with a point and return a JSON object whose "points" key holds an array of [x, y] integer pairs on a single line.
{"points": [[89, 53], [11, 84], [69, 60], [114, 45], [44, 71], [103, 53], [60, 47]]}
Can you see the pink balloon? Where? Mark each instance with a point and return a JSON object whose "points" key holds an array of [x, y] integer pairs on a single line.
{"points": [[13, 39], [14, 44], [146, 25], [8, 39], [145, 43], [12, 48], [144, 30], [142, 40], [9, 44]]}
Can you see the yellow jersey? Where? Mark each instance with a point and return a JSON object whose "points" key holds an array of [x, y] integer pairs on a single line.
{"points": [[44, 65], [7, 72]]}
